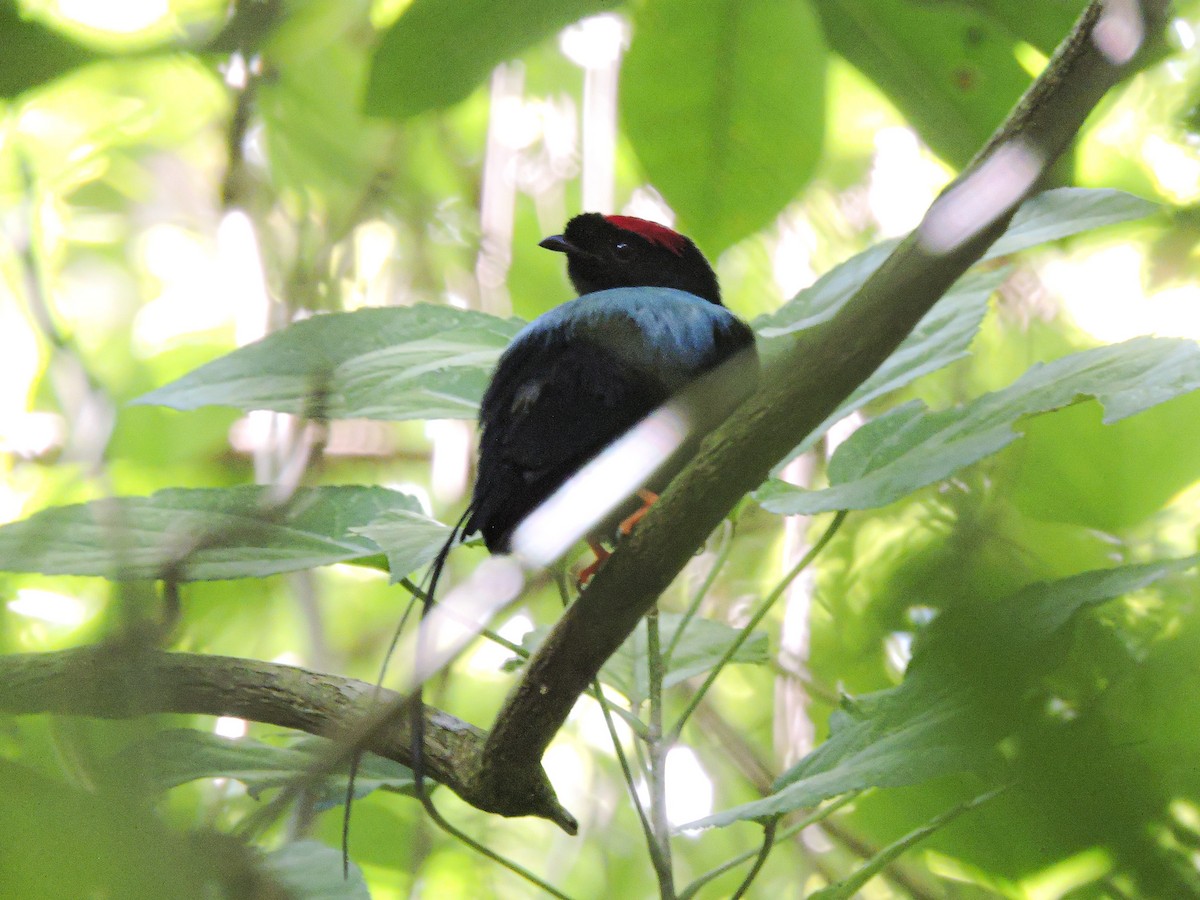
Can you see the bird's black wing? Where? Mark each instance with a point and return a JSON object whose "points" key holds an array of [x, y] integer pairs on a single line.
{"points": [[576, 379], [557, 398]]}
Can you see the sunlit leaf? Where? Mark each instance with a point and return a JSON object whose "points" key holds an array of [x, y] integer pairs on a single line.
{"points": [[416, 362], [1046, 217], [410, 539], [940, 338], [176, 756], [200, 535], [725, 112], [911, 446], [931, 724], [438, 51]]}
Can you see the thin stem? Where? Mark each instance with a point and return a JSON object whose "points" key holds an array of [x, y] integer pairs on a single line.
{"points": [[626, 770], [850, 886], [768, 842], [560, 578], [714, 570], [491, 854], [657, 748], [795, 828], [748, 630]]}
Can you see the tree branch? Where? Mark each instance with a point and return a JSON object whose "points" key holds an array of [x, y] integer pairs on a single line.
{"points": [[807, 375], [113, 681]]}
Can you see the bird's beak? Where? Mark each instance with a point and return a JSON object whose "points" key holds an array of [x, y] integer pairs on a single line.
{"points": [[558, 244]]}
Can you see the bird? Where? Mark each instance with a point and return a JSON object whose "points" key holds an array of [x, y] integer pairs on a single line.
{"points": [[647, 323], [648, 326]]}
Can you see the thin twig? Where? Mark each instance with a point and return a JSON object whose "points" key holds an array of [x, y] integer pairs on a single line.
{"points": [[817, 815], [657, 749], [726, 545], [748, 628], [768, 842]]}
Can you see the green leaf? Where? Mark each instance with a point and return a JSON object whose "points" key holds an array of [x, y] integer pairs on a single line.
{"points": [[725, 110], [415, 362], [1131, 468], [1049, 216], [438, 51], [940, 338], [199, 535], [1044, 31], [170, 758], [309, 870], [849, 887], [1063, 212], [932, 724], [33, 53], [410, 539], [703, 644], [948, 68], [911, 446]]}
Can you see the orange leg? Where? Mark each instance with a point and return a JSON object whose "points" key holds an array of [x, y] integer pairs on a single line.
{"points": [[586, 573], [648, 499]]}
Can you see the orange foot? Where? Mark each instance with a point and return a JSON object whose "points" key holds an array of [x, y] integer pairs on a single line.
{"points": [[586, 573], [648, 499]]}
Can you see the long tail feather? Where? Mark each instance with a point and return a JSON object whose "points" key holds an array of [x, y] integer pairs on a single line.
{"points": [[427, 597]]}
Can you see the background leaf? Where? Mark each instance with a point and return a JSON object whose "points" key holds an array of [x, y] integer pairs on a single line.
{"points": [[462, 40], [950, 69], [417, 362], [33, 53], [1049, 216], [176, 756], [743, 96], [911, 446], [935, 722], [220, 533]]}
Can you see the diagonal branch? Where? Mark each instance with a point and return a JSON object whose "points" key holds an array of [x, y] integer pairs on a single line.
{"points": [[806, 375]]}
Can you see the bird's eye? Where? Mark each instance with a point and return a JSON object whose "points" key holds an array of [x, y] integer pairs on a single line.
{"points": [[623, 250]]}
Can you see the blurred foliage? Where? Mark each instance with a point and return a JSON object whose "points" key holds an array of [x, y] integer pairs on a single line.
{"points": [[179, 179]]}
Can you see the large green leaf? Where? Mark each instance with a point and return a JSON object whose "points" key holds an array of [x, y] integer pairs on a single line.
{"points": [[725, 107], [1044, 31], [412, 362], [948, 68], [912, 446], [940, 338], [199, 535], [1046, 217], [935, 722], [438, 51], [1131, 468], [176, 756], [409, 538]]}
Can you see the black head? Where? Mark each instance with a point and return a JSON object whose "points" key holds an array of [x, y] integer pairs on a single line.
{"points": [[621, 251]]}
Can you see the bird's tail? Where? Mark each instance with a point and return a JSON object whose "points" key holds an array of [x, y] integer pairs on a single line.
{"points": [[418, 705], [427, 596]]}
